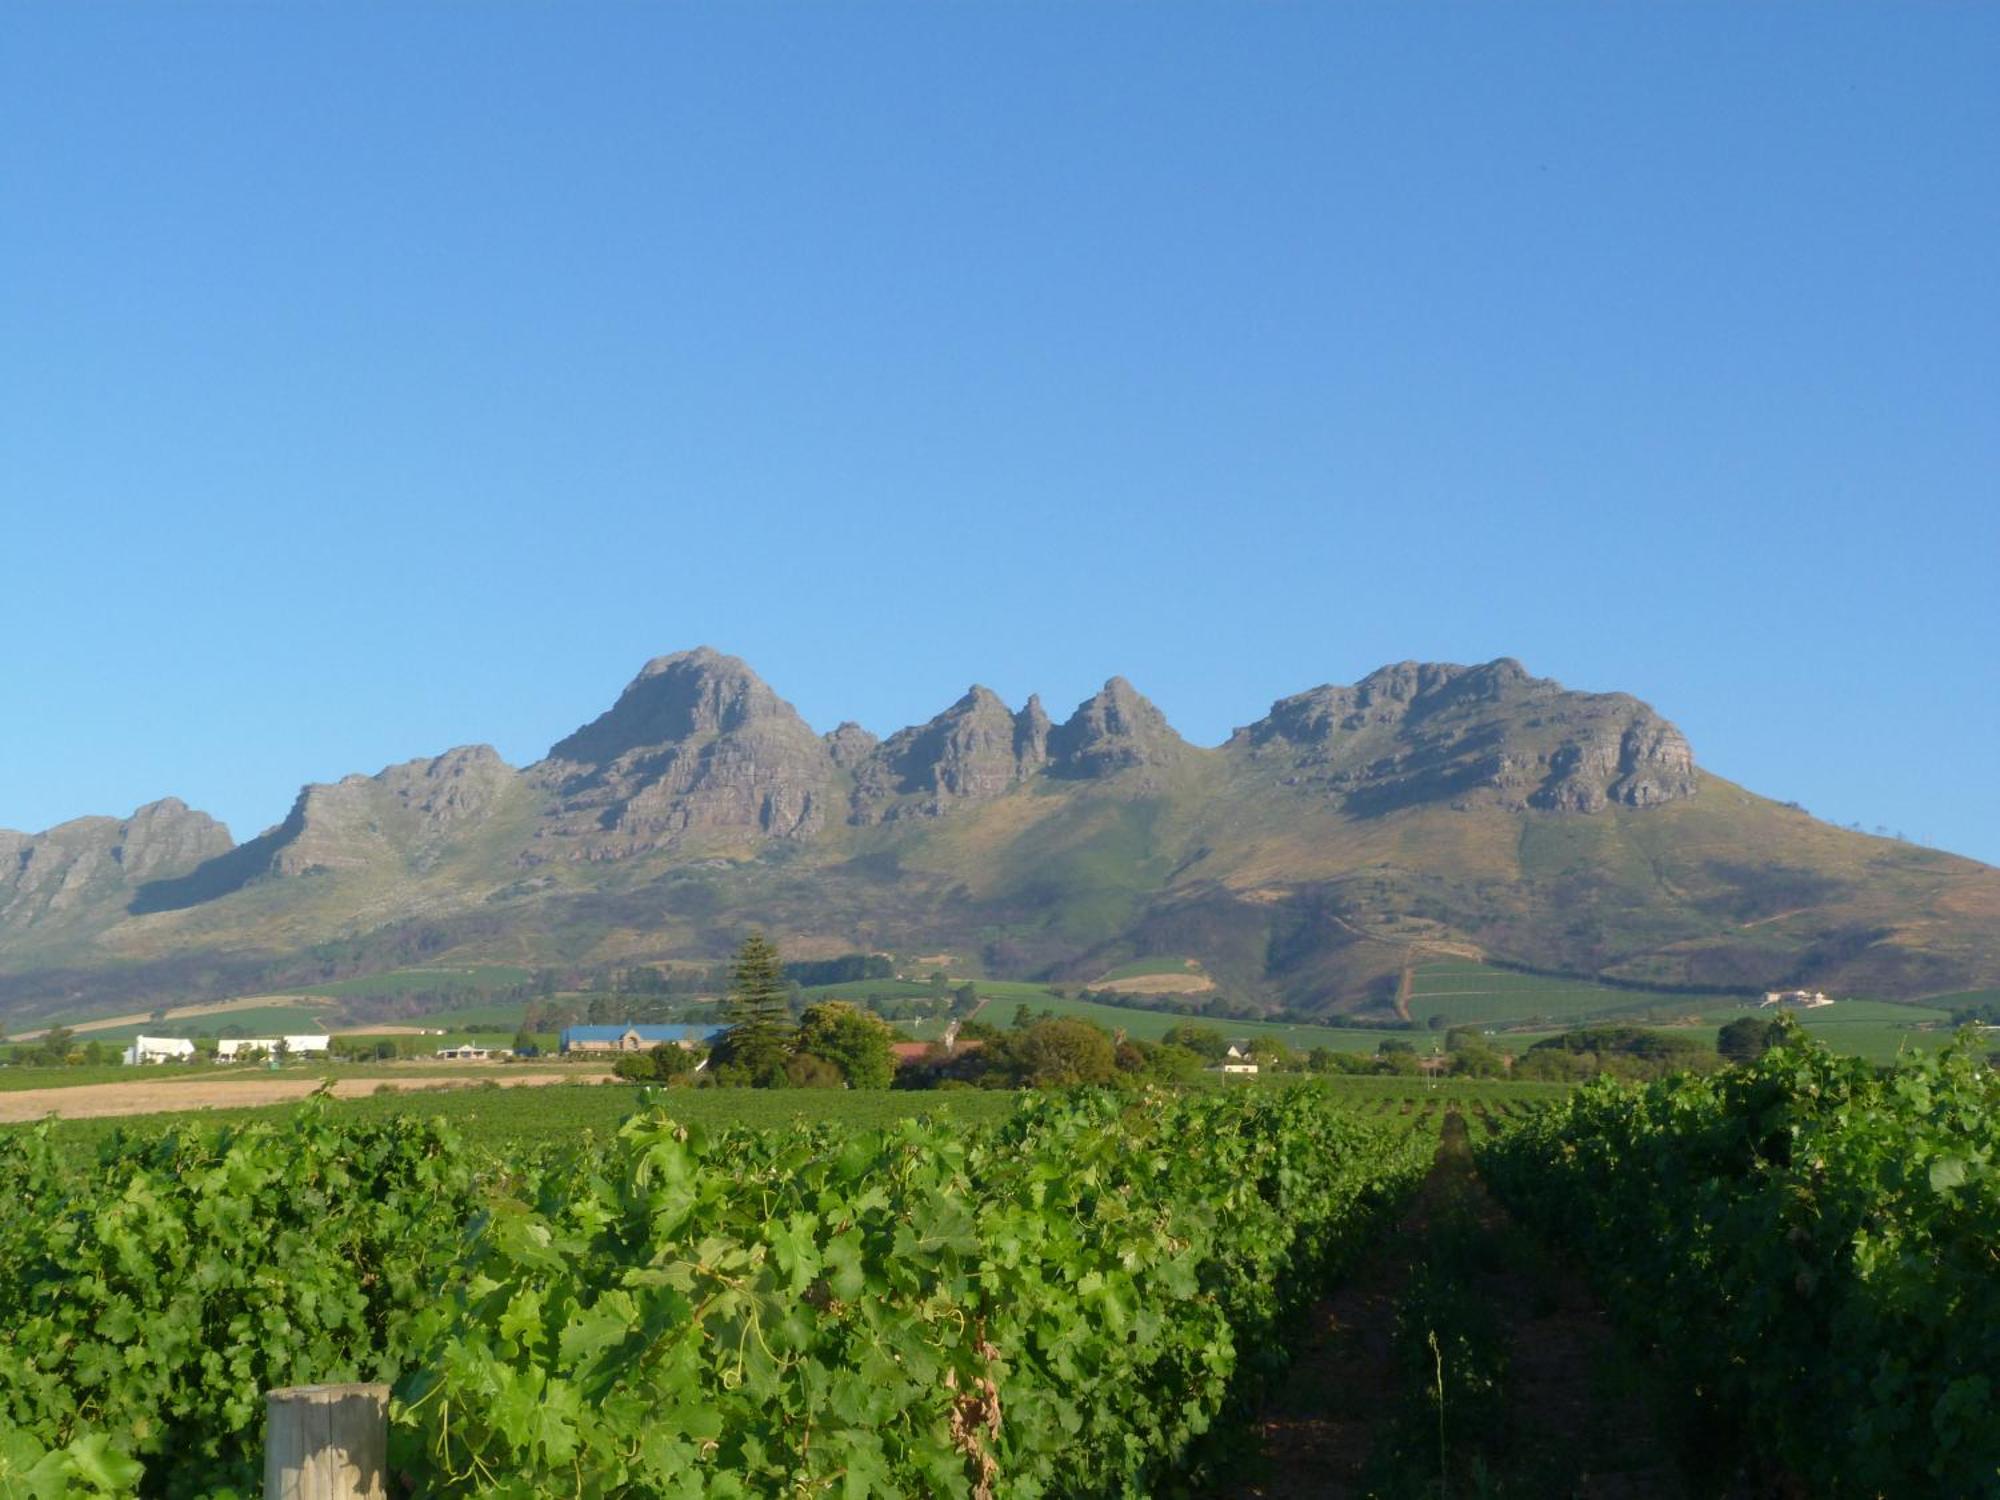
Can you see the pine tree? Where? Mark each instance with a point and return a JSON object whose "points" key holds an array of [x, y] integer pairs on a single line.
{"points": [[760, 1019]]}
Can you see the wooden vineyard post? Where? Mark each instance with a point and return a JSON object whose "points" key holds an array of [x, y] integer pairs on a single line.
{"points": [[327, 1442]]}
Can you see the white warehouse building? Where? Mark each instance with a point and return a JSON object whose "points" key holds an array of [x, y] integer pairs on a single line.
{"points": [[155, 1049], [235, 1048]]}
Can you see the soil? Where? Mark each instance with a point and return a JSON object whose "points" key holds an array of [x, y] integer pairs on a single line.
{"points": [[96, 1100], [1158, 984], [1578, 1419]]}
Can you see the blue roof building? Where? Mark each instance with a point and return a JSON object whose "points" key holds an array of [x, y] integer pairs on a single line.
{"points": [[634, 1038]]}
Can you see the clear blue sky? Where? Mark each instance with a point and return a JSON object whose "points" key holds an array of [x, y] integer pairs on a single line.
{"points": [[376, 378]]}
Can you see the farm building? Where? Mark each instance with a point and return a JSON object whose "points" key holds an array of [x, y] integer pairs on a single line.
{"points": [[1238, 1059], [634, 1038], [1801, 999], [155, 1049], [470, 1053], [236, 1048]]}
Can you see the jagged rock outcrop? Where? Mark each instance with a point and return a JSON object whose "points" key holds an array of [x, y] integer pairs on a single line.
{"points": [[974, 751], [91, 862], [402, 815], [696, 744], [1639, 762], [849, 745], [1031, 735], [1116, 729], [1430, 732]]}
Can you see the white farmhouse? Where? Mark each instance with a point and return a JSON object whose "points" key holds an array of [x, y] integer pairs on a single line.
{"points": [[154, 1049], [1799, 999], [1238, 1059], [307, 1046]]}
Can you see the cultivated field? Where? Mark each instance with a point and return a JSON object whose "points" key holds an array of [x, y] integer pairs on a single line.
{"points": [[214, 1089]]}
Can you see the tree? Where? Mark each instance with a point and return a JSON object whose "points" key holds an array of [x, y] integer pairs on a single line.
{"points": [[1747, 1040], [672, 1060], [852, 1040], [805, 1071], [1475, 1061], [965, 999], [1203, 1041], [1172, 1064], [1057, 1053], [754, 1048]]}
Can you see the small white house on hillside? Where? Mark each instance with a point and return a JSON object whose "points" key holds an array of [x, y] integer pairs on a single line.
{"points": [[1238, 1059], [155, 1049]]}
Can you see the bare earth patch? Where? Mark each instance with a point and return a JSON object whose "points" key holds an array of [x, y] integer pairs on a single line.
{"points": [[151, 1097], [1157, 984]]}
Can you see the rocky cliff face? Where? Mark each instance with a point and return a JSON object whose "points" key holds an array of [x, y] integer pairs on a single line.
{"points": [[974, 751], [697, 744], [402, 815], [1114, 730], [1422, 732], [98, 862]]}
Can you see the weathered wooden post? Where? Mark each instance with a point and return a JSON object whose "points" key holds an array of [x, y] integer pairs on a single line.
{"points": [[327, 1442]]}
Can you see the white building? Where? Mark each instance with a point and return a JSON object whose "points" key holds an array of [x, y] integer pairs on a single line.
{"points": [[307, 1046], [236, 1048], [1238, 1059], [1800, 999], [154, 1049]]}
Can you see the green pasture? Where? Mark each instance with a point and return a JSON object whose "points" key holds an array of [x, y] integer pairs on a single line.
{"points": [[477, 977], [517, 1118], [1964, 999], [1464, 993], [1151, 1025], [262, 1020]]}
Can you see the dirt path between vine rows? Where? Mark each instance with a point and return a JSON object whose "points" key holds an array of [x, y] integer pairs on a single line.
{"points": [[1574, 1420], [89, 1101]]}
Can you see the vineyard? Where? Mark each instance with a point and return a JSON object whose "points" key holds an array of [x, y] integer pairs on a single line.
{"points": [[1062, 1302], [1086, 1293], [1808, 1242]]}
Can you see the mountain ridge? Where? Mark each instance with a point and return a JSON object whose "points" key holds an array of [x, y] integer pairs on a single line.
{"points": [[1311, 851]]}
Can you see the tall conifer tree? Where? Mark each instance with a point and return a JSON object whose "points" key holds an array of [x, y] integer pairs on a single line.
{"points": [[760, 1020]]}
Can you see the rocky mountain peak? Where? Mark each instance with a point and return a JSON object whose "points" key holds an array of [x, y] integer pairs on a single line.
{"points": [[85, 862], [696, 744], [973, 751], [1433, 731], [1114, 729], [849, 745], [1031, 734], [685, 696]]}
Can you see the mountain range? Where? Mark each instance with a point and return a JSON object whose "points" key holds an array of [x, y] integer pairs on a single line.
{"points": [[1428, 808]]}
